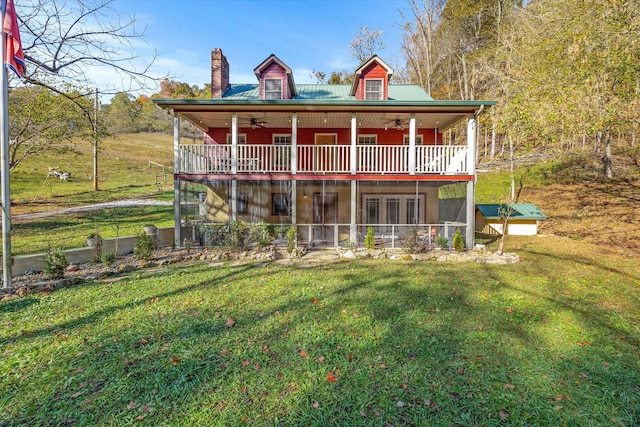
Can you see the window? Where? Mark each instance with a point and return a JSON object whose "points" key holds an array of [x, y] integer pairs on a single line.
{"points": [[272, 89], [281, 152], [280, 204], [418, 140], [393, 209], [373, 89], [367, 152], [367, 139], [242, 138]]}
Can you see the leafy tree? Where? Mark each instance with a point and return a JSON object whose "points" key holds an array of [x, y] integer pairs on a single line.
{"points": [[43, 119]]}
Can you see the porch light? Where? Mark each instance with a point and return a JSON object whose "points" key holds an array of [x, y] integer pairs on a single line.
{"points": [[325, 117]]}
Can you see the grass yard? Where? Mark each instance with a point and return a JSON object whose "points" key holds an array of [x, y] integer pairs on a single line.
{"points": [[551, 341]]}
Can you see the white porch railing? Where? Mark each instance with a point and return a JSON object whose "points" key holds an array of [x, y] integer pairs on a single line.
{"points": [[322, 159]]}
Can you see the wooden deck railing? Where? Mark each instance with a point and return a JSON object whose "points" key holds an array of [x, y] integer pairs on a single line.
{"points": [[321, 159]]}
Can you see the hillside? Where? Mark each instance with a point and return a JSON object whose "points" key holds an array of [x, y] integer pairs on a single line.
{"points": [[579, 204]]}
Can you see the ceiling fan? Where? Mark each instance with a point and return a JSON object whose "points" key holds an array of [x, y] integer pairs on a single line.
{"points": [[396, 124], [255, 123]]}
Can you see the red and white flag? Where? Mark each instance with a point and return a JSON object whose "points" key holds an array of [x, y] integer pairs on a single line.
{"points": [[13, 54]]}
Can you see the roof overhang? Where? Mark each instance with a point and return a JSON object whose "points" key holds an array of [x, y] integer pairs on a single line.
{"points": [[216, 113]]}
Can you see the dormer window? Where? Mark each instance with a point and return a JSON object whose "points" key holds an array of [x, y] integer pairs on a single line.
{"points": [[373, 89], [272, 89]]}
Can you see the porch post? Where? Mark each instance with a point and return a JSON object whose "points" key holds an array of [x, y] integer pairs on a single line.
{"points": [[176, 182], [353, 229], [354, 140], [471, 145], [412, 144], [294, 202], [233, 199], [294, 144], [234, 143], [471, 168]]}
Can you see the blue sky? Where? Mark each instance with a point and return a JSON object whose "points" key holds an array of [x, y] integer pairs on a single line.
{"points": [[305, 35]]}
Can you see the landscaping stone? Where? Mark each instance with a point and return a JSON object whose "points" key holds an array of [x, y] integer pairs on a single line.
{"points": [[301, 257]]}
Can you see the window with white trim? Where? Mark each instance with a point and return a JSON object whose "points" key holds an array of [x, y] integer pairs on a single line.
{"points": [[418, 140], [272, 89], [281, 152], [367, 152], [242, 138], [373, 89]]}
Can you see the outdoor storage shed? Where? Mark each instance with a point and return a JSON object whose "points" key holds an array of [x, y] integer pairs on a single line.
{"points": [[523, 220]]}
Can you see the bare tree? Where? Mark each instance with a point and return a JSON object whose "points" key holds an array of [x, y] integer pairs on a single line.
{"points": [[62, 40], [366, 43]]}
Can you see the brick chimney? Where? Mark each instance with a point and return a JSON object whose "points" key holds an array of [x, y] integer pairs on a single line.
{"points": [[219, 73]]}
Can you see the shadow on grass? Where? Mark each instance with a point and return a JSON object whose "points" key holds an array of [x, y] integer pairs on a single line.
{"points": [[407, 344]]}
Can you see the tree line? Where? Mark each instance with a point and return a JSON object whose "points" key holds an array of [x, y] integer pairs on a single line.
{"points": [[565, 73]]}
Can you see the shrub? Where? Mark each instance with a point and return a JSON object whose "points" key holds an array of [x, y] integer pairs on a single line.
{"points": [[441, 242], [458, 242], [108, 257], [369, 240], [144, 247], [292, 237], [55, 263], [262, 233], [238, 232]]}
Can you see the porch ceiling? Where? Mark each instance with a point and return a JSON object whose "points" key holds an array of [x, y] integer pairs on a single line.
{"points": [[330, 119], [277, 114]]}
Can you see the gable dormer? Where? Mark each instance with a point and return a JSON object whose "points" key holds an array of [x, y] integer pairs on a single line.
{"points": [[371, 80], [276, 79]]}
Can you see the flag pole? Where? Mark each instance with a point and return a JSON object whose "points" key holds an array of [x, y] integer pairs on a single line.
{"points": [[4, 177]]}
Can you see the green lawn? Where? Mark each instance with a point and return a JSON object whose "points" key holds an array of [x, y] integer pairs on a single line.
{"points": [[552, 341]]}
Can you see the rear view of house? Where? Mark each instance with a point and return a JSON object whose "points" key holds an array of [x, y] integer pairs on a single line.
{"points": [[332, 160]]}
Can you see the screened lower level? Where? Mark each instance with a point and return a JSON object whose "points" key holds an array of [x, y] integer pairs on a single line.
{"points": [[328, 213]]}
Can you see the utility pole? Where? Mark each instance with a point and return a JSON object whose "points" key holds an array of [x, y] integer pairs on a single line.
{"points": [[95, 143]]}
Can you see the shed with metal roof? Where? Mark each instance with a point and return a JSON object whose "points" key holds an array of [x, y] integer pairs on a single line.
{"points": [[523, 219]]}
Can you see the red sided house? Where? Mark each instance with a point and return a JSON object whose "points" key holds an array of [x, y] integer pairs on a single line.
{"points": [[332, 160]]}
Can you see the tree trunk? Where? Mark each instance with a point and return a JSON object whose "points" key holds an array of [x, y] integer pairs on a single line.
{"points": [[608, 170], [493, 140]]}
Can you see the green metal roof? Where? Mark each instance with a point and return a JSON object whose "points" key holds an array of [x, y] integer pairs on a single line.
{"points": [[520, 211], [251, 92]]}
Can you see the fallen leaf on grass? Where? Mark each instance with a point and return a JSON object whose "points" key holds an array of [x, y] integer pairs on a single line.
{"points": [[509, 310], [315, 300], [400, 404], [508, 386], [230, 322], [303, 353], [154, 299], [316, 405], [320, 359], [331, 378], [503, 415], [356, 315], [175, 360], [383, 366], [131, 405]]}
